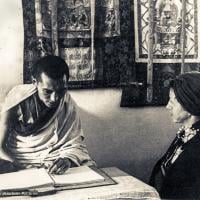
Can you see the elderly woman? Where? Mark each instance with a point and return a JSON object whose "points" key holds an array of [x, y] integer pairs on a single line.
{"points": [[177, 173]]}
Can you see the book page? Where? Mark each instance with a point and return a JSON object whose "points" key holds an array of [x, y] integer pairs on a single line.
{"points": [[77, 175], [24, 179]]}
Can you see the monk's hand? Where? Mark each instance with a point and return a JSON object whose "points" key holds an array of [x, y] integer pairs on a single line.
{"points": [[59, 166]]}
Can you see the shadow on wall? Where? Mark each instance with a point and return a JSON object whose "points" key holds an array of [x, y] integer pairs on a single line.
{"points": [[132, 139]]}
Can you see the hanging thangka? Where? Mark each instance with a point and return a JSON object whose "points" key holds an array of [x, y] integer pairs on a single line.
{"points": [[73, 21], [167, 27], [73, 16], [77, 19], [79, 60], [107, 18]]}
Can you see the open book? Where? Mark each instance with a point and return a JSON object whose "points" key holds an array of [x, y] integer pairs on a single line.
{"points": [[39, 178]]}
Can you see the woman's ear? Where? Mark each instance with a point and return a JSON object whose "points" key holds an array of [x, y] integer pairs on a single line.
{"points": [[34, 81], [189, 115], [65, 81]]}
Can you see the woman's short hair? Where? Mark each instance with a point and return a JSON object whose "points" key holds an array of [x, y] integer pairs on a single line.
{"points": [[53, 66]]}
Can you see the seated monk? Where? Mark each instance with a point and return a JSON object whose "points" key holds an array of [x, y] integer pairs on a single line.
{"points": [[39, 124]]}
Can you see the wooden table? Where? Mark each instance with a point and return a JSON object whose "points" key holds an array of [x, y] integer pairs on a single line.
{"points": [[127, 188]]}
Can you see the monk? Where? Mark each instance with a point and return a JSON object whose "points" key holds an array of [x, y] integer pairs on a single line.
{"points": [[39, 125]]}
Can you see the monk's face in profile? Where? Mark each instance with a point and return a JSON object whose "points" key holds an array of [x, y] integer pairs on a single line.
{"points": [[178, 113], [50, 91]]}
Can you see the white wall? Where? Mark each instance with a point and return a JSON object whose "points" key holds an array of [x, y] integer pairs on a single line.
{"points": [[129, 138], [11, 44]]}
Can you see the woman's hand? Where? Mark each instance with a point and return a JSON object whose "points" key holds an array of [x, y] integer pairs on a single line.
{"points": [[60, 166]]}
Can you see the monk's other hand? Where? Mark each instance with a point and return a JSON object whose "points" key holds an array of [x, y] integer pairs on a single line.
{"points": [[60, 166]]}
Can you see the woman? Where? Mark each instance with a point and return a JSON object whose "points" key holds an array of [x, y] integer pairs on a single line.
{"points": [[177, 173]]}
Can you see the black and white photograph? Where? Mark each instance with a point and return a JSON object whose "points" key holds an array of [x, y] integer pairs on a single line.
{"points": [[99, 99]]}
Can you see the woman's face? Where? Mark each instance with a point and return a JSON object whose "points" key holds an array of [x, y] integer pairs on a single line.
{"points": [[178, 113]]}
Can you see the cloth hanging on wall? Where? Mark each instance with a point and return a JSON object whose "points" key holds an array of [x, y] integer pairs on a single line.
{"points": [[76, 20], [113, 51], [72, 20], [167, 30], [107, 22]]}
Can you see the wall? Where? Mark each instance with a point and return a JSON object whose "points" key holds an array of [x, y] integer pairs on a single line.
{"points": [[129, 138], [11, 45]]}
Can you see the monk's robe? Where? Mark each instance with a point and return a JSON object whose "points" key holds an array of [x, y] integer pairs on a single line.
{"points": [[38, 136]]}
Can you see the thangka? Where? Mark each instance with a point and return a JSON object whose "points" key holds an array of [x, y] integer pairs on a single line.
{"points": [[107, 20], [73, 16], [167, 27], [80, 63]]}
